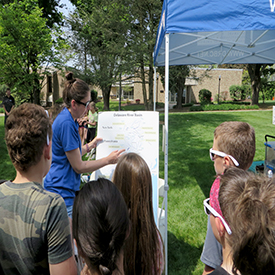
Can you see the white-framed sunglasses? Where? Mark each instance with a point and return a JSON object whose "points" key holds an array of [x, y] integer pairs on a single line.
{"points": [[208, 209], [48, 140], [221, 154]]}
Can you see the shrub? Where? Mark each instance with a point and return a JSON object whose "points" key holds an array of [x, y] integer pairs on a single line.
{"points": [[2, 110], [225, 107], [196, 108], [59, 100], [205, 96], [238, 92]]}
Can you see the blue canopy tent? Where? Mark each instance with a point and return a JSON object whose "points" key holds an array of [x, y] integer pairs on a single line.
{"points": [[212, 32]]}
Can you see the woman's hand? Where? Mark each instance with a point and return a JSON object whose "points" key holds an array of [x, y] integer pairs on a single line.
{"points": [[114, 156], [93, 143]]}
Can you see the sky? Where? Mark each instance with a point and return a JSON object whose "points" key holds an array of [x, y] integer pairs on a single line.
{"points": [[67, 8]]}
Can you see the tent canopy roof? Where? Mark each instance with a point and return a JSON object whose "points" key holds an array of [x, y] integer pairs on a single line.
{"points": [[216, 32]]}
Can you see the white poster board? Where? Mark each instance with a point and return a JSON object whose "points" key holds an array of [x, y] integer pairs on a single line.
{"points": [[273, 115], [135, 132]]}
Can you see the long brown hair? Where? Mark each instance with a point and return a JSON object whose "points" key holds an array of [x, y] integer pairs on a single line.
{"points": [[100, 225], [132, 176]]}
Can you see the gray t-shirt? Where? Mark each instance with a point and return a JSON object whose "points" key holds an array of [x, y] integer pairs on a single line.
{"points": [[212, 249]]}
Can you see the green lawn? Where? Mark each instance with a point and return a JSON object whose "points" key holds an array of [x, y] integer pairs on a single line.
{"points": [[190, 176]]}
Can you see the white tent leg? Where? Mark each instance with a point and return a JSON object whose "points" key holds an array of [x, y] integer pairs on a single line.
{"points": [[155, 78], [166, 186]]}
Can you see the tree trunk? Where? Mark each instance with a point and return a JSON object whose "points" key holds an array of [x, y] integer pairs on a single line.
{"points": [[254, 71], [151, 85], [36, 92], [179, 94], [143, 84], [106, 98]]}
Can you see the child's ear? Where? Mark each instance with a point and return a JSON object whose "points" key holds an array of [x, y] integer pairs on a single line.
{"points": [[47, 150], [220, 227], [227, 162]]}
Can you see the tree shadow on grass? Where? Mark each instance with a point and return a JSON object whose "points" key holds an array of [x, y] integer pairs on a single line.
{"points": [[190, 138], [182, 258]]}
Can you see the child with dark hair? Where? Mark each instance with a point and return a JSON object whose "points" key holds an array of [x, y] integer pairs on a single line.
{"points": [[100, 227], [34, 230], [243, 221], [233, 146], [144, 247]]}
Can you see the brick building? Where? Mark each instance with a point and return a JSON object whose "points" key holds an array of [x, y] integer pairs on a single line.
{"points": [[217, 81]]}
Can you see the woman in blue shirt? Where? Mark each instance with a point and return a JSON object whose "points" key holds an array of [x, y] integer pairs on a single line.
{"points": [[67, 164]]}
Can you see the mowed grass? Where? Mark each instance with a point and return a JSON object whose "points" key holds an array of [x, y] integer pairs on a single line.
{"points": [[190, 176], [7, 170]]}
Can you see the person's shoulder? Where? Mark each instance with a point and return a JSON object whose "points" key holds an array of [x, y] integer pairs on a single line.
{"points": [[219, 271]]}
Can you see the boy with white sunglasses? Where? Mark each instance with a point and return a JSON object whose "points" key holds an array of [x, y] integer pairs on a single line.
{"points": [[233, 145]]}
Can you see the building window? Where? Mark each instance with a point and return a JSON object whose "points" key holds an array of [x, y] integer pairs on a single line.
{"points": [[128, 92]]}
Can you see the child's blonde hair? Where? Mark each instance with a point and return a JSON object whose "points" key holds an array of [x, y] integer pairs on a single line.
{"points": [[237, 139]]}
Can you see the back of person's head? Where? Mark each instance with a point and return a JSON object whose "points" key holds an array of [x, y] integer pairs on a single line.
{"points": [[93, 105], [237, 139], [248, 204], [75, 88], [28, 130], [100, 225], [54, 111], [133, 178]]}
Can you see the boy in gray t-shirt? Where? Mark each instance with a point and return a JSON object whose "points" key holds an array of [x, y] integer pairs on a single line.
{"points": [[233, 145]]}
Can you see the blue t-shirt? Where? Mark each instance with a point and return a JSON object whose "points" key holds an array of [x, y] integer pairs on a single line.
{"points": [[62, 178]]}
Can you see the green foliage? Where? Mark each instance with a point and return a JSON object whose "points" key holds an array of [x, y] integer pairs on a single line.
{"points": [[238, 92], [99, 29], [2, 110], [205, 96], [267, 90], [227, 107], [7, 170], [59, 100], [177, 76], [115, 37], [27, 47]]}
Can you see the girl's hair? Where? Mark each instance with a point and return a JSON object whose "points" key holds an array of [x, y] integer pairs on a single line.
{"points": [[75, 88], [132, 176], [92, 104], [28, 130], [248, 204], [100, 225]]}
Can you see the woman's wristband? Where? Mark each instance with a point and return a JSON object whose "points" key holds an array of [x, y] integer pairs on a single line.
{"points": [[88, 148]]}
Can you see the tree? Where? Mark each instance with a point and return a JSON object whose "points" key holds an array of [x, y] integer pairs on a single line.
{"points": [[177, 77], [122, 38], [27, 48], [98, 39], [49, 8], [255, 72], [143, 23]]}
